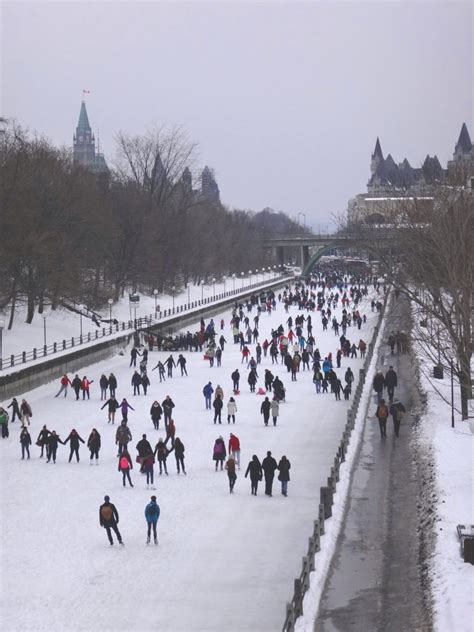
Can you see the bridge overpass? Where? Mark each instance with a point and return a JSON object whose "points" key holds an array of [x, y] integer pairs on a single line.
{"points": [[312, 248]]}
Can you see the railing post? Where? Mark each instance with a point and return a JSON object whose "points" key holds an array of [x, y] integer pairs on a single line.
{"points": [[72, 342], [298, 598], [64, 344], [34, 353], [12, 360], [45, 350], [55, 347]]}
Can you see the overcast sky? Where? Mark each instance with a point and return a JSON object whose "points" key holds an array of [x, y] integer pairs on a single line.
{"points": [[285, 100]]}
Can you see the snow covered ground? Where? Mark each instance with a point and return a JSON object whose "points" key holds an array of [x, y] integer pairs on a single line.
{"points": [[452, 452], [223, 560]]}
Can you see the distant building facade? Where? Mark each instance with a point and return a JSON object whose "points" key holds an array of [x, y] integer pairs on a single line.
{"points": [[84, 150], [391, 185]]}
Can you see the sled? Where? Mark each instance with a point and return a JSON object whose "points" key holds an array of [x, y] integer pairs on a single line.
{"points": [[237, 392], [261, 391], [205, 357]]}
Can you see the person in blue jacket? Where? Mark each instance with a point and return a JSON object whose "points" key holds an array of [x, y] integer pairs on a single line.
{"points": [[207, 392], [152, 513]]}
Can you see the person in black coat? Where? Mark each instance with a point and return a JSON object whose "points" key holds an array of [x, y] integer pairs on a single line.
{"points": [[268, 380], [378, 384], [108, 518], [155, 413], [112, 384], [178, 448], [112, 404], [265, 410], [269, 465], [104, 385], [252, 380], [397, 410], [133, 356], [284, 476], [76, 385], [52, 447], [235, 376], [74, 439], [15, 409], [144, 449], [167, 404], [42, 440], [93, 443], [136, 381], [254, 468], [25, 441], [218, 404], [145, 382], [391, 381]]}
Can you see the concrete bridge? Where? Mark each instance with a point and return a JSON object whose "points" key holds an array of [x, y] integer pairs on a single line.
{"points": [[312, 248]]}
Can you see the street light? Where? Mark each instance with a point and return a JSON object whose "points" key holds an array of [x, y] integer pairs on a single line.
{"points": [[173, 289], [155, 294], [110, 302], [44, 329], [214, 286], [202, 290], [2, 325], [250, 273], [233, 281], [189, 297], [242, 275], [224, 283]]}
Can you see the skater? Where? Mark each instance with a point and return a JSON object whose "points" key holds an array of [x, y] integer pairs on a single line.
{"points": [[397, 410], [133, 356], [76, 385], [124, 408], [268, 377], [15, 409], [125, 465], [74, 438], [182, 364], [145, 382], [252, 380], [26, 412], [269, 465], [391, 381], [52, 448], [235, 377], [161, 452], [207, 392], [231, 410], [93, 443], [161, 371], [179, 454], [234, 448], [42, 440], [155, 413], [217, 405], [136, 382], [170, 363], [112, 404], [122, 437], [219, 453], [148, 466], [109, 518], [152, 513], [382, 414], [65, 382], [265, 410], [85, 386], [170, 432], [284, 467], [104, 385], [143, 448], [167, 405], [231, 474], [112, 384], [4, 423], [255, 470], [274, 410], [25, 441]]}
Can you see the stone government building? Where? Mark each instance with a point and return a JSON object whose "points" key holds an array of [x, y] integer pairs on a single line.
{"points": [[86, 154], [391, 184]]}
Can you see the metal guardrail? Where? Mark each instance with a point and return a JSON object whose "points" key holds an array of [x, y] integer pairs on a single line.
{"points": [[294, 608], [45, 351]]}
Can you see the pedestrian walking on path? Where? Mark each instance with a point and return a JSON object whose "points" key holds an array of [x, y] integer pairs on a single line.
{"points": [[391, 381], [254, 468], [108, 519], [269, 465], [397, 410], [381, 413]]}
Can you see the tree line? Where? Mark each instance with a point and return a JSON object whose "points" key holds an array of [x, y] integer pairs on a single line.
{"points": [[71, 235]]}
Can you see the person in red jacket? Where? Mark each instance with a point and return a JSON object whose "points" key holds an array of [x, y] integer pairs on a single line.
{"points": [[85, 384], [234, 448], [65, 382]]}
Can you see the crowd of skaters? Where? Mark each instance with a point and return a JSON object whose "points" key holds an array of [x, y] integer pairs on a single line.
{"points": [[294, 347]]}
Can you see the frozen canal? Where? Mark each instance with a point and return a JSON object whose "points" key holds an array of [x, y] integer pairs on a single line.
{"points": [[223, 561]]}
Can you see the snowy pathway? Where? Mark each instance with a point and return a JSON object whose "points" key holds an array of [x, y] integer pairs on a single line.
{"points": [[223, 560]]}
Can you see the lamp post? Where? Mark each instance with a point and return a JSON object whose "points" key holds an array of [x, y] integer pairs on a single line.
{"points": [[202, 290], [2, 325], [44, 329], [173, 289], [110, 302], [155, 294], [189, 296], [233, 281], [242, 275], [250, 273], [214, 286], [224, 283], [452, 389], [80, 324]]}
